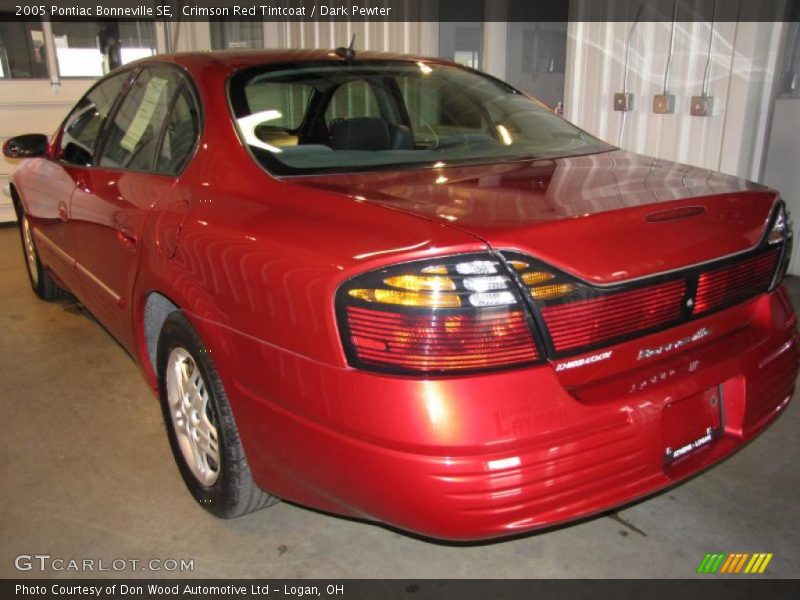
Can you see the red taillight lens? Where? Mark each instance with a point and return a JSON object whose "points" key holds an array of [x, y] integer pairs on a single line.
{"points": [[455, 315], [449, 342], [591, 322], [578, 317], [735, 282]]}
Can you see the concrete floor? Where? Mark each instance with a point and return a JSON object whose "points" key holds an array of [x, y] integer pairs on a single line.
{"points": [[86, 472]]}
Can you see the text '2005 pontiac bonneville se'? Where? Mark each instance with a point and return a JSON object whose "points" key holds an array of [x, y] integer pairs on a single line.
{"points": [[398, 289]]}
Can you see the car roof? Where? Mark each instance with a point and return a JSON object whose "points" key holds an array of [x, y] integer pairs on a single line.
{"points": [[238, 59]]}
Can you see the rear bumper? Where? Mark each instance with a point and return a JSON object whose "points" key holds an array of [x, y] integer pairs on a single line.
{"points": [[492, 455]]}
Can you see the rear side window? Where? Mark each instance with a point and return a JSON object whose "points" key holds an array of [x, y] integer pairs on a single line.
{"points": [[180, 136], [133, 138], [85, 122]]}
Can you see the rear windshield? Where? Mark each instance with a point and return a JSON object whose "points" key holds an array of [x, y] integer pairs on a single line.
{"points": [[321, 117]]}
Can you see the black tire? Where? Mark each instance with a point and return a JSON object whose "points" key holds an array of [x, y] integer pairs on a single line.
{"points": [[233, 493], [42, 283]]}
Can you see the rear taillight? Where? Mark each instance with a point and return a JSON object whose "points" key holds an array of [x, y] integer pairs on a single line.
{"points": [[578, 317], [735, 282], [479, 312], [449, 315]]}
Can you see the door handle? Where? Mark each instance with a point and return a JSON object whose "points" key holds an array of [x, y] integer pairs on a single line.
{"points": [[63, 213], [126, 238]]}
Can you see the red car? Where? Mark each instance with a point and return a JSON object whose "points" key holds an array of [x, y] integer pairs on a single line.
{"points": [[399, 289]]}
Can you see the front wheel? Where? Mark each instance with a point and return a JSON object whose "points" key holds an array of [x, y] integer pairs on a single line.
{"points": [[202, 432], [42, 283]]}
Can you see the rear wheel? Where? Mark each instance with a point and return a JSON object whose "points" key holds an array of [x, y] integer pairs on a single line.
{"points": [[202, 432], [42, 283]]}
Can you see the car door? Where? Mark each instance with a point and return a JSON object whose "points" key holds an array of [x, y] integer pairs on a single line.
{"points": [[111, 204], [52, 181]]}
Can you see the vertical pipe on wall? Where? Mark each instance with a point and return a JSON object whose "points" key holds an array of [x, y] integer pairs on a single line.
{"points": [[50, 55], [718, 166], [625, 69], [573, 68], [162, 37], [707, 71], [628, 46], [671, 45]]}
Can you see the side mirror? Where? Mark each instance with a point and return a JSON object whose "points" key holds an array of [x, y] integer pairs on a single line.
{"points": [[26, 146]]}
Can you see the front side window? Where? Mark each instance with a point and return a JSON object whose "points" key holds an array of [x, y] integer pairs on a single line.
{"points": [[133, 138], [386, 114], [85, 122]]}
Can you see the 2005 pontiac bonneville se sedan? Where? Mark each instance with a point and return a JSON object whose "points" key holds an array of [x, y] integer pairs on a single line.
{"points": [[399, 289]]}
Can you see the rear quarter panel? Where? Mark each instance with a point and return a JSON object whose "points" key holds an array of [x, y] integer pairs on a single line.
{"points": [[237, 247]]}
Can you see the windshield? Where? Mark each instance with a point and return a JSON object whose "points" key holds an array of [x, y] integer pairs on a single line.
{"points": [[332, 116]]}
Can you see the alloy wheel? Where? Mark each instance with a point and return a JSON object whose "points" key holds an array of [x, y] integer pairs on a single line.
{"points": [[193, 417], [30, 251]]}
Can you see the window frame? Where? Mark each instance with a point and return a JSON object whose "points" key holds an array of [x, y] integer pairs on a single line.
{"points": [[103, 137], [187, 83], [275, 168], [111, 113], [188, 86]]}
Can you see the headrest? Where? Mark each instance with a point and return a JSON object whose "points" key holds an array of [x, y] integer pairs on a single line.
{"points": [[359, 133]]}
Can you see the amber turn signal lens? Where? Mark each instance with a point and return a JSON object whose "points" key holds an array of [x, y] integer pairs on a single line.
{"points": [[536, 277], [419, 282], [550, 292], [518, 265], [423, 299]]}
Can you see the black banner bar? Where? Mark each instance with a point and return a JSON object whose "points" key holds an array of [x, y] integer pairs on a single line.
{"points": [[403, 10], [739, 588]]}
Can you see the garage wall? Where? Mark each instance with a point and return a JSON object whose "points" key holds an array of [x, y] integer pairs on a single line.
{"points": [[409, 38], [782, 171], [31, 106], [741, 74], [742, 67]]}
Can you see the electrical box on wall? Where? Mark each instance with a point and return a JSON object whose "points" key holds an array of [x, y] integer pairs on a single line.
{"points": [[701, 106], [623, 101], [663, 104]]}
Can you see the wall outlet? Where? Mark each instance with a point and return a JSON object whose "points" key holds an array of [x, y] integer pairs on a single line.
{"points": [[623, 101], [701, 106], [663, 104]]}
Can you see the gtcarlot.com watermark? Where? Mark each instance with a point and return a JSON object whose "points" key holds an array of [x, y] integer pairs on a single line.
{"points": [[45, 563]]}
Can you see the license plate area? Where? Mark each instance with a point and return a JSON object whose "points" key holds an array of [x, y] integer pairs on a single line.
{"points": [[691, 423]]}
